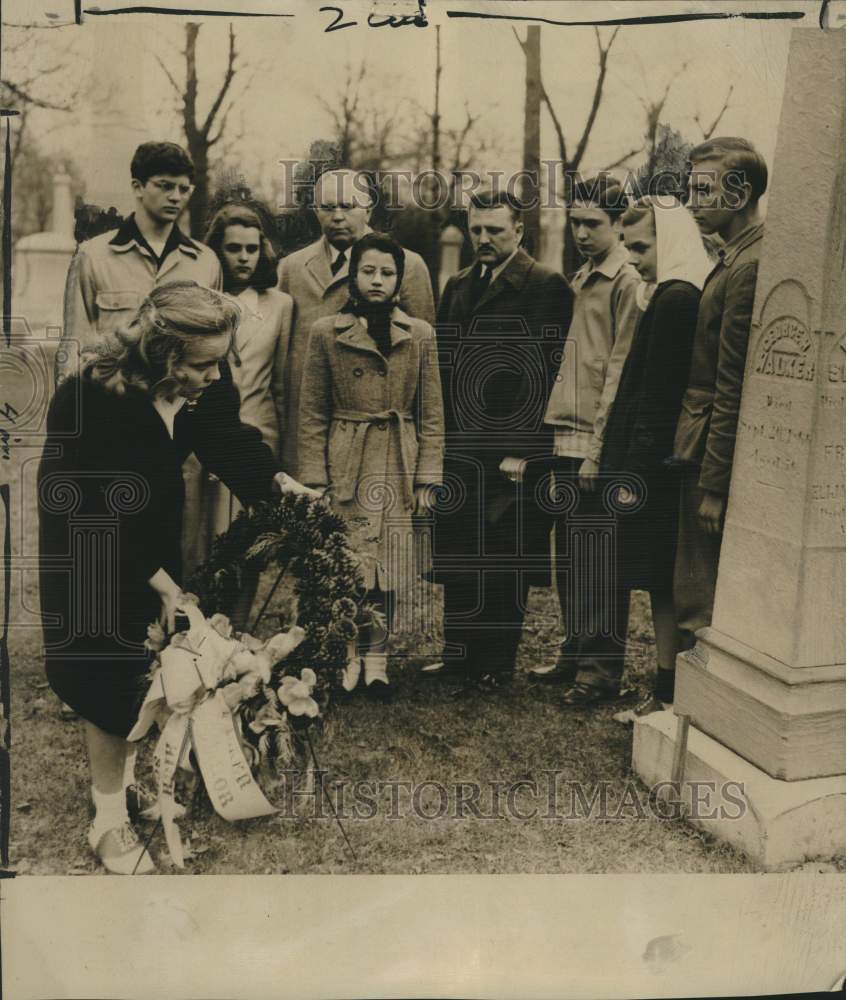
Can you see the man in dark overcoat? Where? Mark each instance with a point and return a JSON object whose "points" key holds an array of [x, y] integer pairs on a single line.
{"points": [[501, 327]]}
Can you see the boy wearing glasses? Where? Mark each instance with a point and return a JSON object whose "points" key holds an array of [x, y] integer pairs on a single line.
{"points": [[111, 274]]}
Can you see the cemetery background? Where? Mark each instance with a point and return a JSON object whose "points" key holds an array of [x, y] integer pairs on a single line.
{"points": [[513, 738], [616, 102]]}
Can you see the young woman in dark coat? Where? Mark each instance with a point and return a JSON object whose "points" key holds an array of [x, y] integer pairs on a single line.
{"points": [[665, 246], [110, 499]]}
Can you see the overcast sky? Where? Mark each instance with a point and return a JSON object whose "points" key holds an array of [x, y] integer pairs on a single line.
{"points": [[128, 97]]}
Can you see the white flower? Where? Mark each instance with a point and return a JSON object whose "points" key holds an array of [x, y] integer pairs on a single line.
{"points": [[295, 694]]}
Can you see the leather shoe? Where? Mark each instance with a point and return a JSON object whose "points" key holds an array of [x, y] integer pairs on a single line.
{"points": [[559, 673], [121, 852], [645, 707], [451, 669], [588, 694]]}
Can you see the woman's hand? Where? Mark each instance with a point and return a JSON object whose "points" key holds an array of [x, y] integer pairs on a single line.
{"points": [[170, 594], [287, 484], [425, 498]]}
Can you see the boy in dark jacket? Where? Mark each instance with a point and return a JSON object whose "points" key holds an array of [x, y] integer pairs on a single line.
{"points": [[728, 177]]}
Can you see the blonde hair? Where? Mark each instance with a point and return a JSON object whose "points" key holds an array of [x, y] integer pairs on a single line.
{"points": [[143, 354]]}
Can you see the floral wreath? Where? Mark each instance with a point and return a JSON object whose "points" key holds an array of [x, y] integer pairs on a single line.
{"points": [[302, 536], [306, 540], [237, 701]]}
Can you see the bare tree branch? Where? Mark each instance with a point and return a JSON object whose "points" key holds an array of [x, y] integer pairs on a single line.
{"points": [[170, 76], [30, 99], [221, 127], [708, 132], [38, 27], [224, 87], [621, 160], [559, 131], [654, 109], [189, 97], [459, 136], [597, 95]]}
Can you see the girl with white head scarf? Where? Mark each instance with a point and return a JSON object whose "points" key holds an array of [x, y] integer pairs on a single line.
{"points": [[680, 252], [666, 248]]}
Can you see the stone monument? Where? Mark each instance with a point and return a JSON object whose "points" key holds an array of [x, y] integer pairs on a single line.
{"points": [[40, 264], [765, 686], [452, 240]]}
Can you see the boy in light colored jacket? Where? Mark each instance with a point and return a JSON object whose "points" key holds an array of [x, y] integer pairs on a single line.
{"points": [[590, 659]]}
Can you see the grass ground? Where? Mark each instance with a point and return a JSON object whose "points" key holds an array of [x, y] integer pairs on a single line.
{"points": [[513, 736]]}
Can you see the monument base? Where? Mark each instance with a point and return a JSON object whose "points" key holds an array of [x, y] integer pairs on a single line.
{"points": [[789, 722], [776, 823]]}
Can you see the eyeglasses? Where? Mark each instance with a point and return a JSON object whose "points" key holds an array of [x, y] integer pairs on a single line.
{"points": [[329, 207], [168, 186]]}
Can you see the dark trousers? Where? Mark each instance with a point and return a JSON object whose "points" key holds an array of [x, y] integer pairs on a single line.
{"points": [[484, 609], [592, 592], [697, 562]]}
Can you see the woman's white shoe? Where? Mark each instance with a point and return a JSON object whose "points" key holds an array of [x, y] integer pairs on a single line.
{"points": [[120, 851]]}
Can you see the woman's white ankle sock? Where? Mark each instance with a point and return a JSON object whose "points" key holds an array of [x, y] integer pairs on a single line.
{"points": [[110, 810], [375, 668], [351, 673], [129, 765]]}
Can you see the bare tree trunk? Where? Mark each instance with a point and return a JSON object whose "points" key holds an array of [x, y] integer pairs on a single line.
{"points": [[199, 204], [434, 261], [572, 259], [436, 114], [529, 192], [198, 136], [199, 200]]}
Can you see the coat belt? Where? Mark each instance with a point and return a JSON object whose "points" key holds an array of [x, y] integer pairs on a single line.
{"points": [[364, 420]]}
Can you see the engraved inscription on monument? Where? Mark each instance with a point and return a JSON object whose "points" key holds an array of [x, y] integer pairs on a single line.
{"points": [[775, 432], [784, 350], [837, 364], [827, 486]]}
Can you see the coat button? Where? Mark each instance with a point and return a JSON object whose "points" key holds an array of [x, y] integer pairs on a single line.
{"points": [[382, 427], [382, 373], [358, 372]]}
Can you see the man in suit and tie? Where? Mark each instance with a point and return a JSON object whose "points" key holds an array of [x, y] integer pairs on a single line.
{"points": [[316, 278], [501, 329]]}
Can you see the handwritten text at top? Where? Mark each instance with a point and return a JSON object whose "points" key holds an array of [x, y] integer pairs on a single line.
{"points": [[417, 20]]}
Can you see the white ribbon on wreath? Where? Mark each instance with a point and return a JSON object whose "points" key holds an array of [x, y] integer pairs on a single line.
{"points": [[202, 676]]}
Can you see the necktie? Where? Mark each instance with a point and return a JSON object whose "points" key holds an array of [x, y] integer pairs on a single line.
{"points": [[338, 263], [481, 285]]}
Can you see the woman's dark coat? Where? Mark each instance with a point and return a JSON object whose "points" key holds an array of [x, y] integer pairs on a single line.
{"points": [[110, 500], [641, 426]]}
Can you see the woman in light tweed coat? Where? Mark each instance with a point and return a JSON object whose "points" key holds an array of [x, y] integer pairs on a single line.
{"points": [[371, 432]]}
